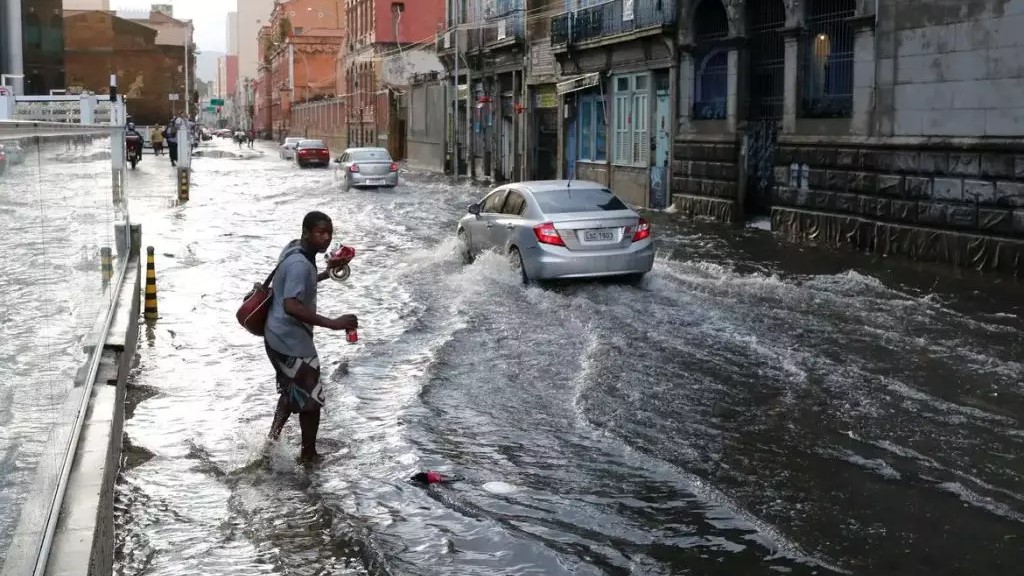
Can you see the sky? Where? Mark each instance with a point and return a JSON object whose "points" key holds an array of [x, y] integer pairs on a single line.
{"points": [[208, 16]]}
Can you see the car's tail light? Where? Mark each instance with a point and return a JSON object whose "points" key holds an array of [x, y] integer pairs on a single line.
{"points": [[394, 167], [353, 168], [642, 230], [546, 234], [303, 152]]}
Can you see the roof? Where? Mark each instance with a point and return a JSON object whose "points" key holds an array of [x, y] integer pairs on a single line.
{"points": [[535, 186], [365, 148]]}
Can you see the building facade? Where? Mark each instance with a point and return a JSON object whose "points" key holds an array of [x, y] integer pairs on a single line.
{"points": [[299, 53], [888, 126], [231, 33], [99, 44], [252, 16], [388, 42], [42, 46], [616, 61], [891, 126]]}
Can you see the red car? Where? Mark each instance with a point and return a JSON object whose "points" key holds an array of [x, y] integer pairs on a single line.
{"points": [[312, 153]]}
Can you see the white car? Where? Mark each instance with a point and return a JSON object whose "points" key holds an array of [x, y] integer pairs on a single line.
{"points": [[287, 150]]}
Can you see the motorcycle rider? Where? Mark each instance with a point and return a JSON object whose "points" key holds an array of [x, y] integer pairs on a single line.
{"points": [[134, 140]]}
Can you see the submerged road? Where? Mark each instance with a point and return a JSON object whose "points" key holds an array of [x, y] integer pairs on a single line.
{"points": [[752, 409]]}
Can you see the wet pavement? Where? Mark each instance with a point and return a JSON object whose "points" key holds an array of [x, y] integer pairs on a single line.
{"points": [[753, 408]]}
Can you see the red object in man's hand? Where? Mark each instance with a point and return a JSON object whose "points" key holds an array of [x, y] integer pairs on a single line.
{"points": [[343, 255], [352, 336]]}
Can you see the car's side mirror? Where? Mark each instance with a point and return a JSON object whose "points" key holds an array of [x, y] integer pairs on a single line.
{"points": [[474, 209]]}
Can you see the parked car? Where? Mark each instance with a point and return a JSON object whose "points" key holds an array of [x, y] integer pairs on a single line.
{"points": [[359, 167], [312, 153], [560, 229], [287, 150], [14, 152]]}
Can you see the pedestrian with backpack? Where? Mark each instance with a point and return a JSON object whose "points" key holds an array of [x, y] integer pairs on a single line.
{"points": [[171, 135]]}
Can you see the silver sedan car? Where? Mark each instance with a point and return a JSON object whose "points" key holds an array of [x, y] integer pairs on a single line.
{"points": [[560, 229], [287, 150], [359, 167]]}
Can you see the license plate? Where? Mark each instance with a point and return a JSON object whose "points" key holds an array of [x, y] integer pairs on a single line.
{"points": [[372, 181], [599, 235]]}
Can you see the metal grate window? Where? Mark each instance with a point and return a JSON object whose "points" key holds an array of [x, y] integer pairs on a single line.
{"points": [[828, 60], [767, 49], [711, 61]]}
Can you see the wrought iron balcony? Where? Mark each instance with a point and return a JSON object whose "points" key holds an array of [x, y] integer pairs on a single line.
{"points": [[611, 18], [502, 24]]}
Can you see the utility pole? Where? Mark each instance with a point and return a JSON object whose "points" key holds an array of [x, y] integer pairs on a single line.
{"points": [[14, 67], [456, 9], [188, 94]]}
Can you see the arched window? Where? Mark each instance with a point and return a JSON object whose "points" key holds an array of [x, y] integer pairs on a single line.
{"points": [[711, 61], [767, 50], [828, 59], [33, 31]]}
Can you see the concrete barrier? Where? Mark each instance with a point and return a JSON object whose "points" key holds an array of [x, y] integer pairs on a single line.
{"points": [[83, 544]]}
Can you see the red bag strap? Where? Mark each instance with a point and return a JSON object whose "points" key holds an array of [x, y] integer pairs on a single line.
{"points": [[266, 283]]}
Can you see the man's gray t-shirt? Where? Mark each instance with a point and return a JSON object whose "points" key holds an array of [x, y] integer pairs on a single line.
{"points": [[295, 278]]}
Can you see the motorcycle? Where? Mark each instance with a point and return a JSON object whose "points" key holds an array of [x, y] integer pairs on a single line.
{"points": [[133, 144]]}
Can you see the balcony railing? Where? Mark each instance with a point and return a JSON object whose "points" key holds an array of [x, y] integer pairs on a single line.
{"points": [[505, 24], [611, 18]]}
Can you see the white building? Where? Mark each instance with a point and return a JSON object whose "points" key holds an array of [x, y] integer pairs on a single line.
{"points": [[220, 85], [86, 4], [232, 33], [252, 14]]}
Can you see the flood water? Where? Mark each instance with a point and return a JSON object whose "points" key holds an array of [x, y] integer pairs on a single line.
{"points": [[753, 408], [56, 213]]}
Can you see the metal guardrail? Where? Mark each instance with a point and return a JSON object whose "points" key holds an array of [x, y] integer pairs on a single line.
{"points": [[611, 18]]}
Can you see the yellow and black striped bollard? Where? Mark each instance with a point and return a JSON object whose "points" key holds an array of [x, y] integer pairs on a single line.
{"points": [[106, 264], [150, 307], [183, 184]]}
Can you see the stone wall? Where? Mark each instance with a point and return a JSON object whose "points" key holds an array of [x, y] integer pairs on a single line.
{"points": [[958, 202], [705, 178], [950, 69]]}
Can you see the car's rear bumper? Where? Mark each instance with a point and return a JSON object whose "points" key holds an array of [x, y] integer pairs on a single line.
{"points": [[391, 179], [553, 262], [314, 161]]}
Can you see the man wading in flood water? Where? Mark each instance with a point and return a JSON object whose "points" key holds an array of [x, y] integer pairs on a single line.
{"points": [[289, 332]]}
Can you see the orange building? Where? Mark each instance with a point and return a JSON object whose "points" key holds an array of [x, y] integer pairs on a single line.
{"points": [[298, 53]]}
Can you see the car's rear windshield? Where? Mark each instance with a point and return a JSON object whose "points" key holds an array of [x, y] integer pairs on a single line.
{"points": [[578, 200], [371, 156], [312, 144]]}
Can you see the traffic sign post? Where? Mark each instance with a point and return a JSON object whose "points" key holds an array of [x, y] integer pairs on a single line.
{"points": [[217, 102]]}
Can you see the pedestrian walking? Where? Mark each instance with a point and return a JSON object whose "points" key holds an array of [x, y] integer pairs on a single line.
{"points": [[156, 138], [251, 135], [171, 135], [288, 337]]}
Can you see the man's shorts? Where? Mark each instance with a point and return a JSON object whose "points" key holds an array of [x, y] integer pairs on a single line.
{"points": [[298, 380]]}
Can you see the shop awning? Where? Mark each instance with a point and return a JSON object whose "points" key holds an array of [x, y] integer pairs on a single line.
{"points": [[578, 83]]}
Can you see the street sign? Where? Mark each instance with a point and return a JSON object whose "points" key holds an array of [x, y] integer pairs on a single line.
{"points": [[173, 96], [211, 108], [217, 102]]}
